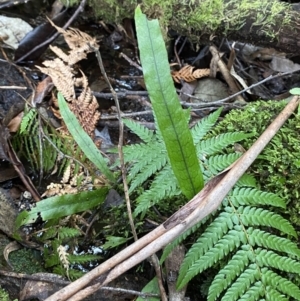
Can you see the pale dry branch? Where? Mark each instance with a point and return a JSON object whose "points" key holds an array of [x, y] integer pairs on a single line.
{"points": [[226, 73]]}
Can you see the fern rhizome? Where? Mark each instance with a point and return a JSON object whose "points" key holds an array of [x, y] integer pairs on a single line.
{"points": [[246, 236]]}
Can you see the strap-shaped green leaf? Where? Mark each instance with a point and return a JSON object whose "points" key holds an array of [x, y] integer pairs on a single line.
{"points": [[83, 140], [171, 119], [64, 205]]}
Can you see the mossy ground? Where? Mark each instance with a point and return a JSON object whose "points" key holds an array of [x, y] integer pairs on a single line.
{"points": [[26, 261], [194, 16], [277, 169], [4, 295]]}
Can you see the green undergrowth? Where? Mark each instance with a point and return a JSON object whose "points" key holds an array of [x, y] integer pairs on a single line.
{"points": [[247, 240], [4, 296], [245, 237], [278, 167], [40, 153], [27, 261], [248, 245]]}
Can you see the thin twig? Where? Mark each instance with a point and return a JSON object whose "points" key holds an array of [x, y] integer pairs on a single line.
{"points": [[204, 104], [109, 117], [8, 4], [13, 87], [175, 51], [51, 279], [132, 292], [115, 124], [122, 94], [120, 144], [157, 268], [130, 61], [48, 41], [152, 258], [21, 70], [40, 139]]}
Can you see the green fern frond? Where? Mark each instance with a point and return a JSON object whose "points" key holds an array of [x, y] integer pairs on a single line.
{"points": [[254, 293], [252, 216], [168, 249], [50, 233], [273, 294], [250, 196], [220, 162], [246, 279], [267, 258], [204, 126], [136, 152], [213, 233], [229, 233], [272, 279], [140, 165], [147, 171], [247, 180], [242, 283], [228, 243], [52, 260], [208, 239], [144, 133], [225, 276], [217, 144], [27, 119], [254, 276], [65, 232], [269, 241], [76, 259], [233, 235], [163, 186], [40, 153], [72, 273]]}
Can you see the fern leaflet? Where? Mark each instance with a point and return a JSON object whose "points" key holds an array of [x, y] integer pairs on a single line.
{"points": [[264, 239], [225, 277], [271, 259], [218, 143], [228, 243], [256, 291], [145, 134], [250, 196], [252, 216], [242, 283], [27, 119], [163, 186], [271, 279], [168, 249], [204, 126], [220, 162]]}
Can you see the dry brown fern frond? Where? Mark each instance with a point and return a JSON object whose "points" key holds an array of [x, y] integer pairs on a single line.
{"points": [[63, 257], [79, 42], [188, 74], [85, 107], [62, 77], [88, 117], [65, 78]]}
